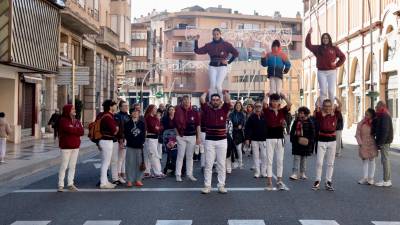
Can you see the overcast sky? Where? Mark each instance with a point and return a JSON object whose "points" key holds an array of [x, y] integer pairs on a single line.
{"points": [[288, 8]]}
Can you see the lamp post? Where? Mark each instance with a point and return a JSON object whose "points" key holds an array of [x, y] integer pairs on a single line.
{"points": [[372, 93]]}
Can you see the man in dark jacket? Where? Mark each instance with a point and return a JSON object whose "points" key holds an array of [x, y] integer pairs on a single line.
{"points": [[53, 122], [118, 159], [382, 131], [339, 130]]}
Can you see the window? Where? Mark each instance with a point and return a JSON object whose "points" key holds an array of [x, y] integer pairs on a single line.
{"points": [[139, 35], [248, 26], [224, 25], [240, 26], [114, 23]]}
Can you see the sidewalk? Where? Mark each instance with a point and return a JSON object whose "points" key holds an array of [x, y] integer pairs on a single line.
{"points": [[32, 156]]}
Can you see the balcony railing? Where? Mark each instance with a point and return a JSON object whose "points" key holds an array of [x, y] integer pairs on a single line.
{"points": [[108, 38], [79, 17], [184, 49], [124, 48], [184, 70]]}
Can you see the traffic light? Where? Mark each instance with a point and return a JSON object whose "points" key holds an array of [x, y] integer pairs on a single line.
{"points": [[301, 93]]}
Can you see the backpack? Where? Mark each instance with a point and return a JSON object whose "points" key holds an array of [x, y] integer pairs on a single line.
{"points": [[95, 133]]}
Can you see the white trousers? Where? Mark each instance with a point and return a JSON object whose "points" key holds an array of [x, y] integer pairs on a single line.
{"points": [[369, 169], [121, 158], [240, 154], [216, 77], [159, 150], [275, 85], [185, 148], [275, 146], [215, 151], [115, 162], [259, 149], [202, 149], [328, 148], [107, 148], [69, 158], [151, 157], [327, 85], [3, 145]]}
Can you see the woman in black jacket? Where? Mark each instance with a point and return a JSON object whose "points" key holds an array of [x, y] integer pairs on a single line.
{"points": [[302, 136], [238, 119]]}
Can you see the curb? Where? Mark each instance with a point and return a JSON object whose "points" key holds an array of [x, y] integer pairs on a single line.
{"points": [[45, 164]]}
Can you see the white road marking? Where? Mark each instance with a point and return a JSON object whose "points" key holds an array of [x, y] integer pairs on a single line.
{"points": [[135, 190], [386, 222], [102, 222], [318, 222], [246, 222], [174, 222], [91, 160], [31, 223]]}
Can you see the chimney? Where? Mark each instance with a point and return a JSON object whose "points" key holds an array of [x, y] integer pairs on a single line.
{"points": [[277, 14], [255, 13], [298, 15]]}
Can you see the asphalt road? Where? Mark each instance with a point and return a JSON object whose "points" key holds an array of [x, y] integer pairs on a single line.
{"points": [[165, 202]]}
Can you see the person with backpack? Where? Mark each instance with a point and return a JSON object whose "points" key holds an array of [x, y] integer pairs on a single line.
{"points": [[5, 131], [70, 134], [108, 141], [255, 135], [327, 119], [119, 156], [278, 64], [302, 136], [135, 134], [187, 123], [275, 118], [151, 155]]}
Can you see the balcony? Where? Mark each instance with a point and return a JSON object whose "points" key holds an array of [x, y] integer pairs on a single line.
{"points": [[179, 31], [184, 71], [124, 49], [80, 18], [108, 39], [184, 50], [186, 86]]}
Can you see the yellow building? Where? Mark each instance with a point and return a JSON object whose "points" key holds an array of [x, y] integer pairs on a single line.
{"points": [[348, 22]]}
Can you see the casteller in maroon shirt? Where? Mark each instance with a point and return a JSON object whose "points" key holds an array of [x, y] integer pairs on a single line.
{"points": [[215, 121], [186, 121], [70, 130], [153, 126], [275, 121]]}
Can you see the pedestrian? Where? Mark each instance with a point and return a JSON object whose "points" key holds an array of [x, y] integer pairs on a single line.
{"points": [[327, 119], [278, 64], [108, 143], [219, 51], [187, 124], [339, 131], [160, 146], [302, 136], [249, 108], [169, 136], [53, 122], [327, 63], [238, 119], [215, 114], [256, 135], [70, 133], [121, 118], [382, 131], [275, 116], [137, 106], [151, 156], [135, 134], [368, 150], [5, 131], [162, 109]]}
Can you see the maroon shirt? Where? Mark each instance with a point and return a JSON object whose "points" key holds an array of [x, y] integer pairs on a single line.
{"points": [[108, 126], [327, 126], [218, 51], [326, 56], [275, 122], [215, 121], [153, 126], [186, 121], [70, 130]]}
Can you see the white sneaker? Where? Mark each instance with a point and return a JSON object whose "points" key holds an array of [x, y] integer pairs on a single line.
{"points": [[294, 177], [241, 166], [363, 181], [270, 188], [191, 178], [179, 179], [206, 190], [235, 165], [122, 180], [371, 182], [222, 190], [107, 186], [229, 171], [384, 184], [303, 176]]}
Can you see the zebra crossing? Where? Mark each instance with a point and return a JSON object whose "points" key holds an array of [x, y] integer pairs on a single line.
{"points": [[190, 222]]}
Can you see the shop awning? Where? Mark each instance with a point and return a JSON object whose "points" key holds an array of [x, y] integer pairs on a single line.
{"points": [[32, 78]]}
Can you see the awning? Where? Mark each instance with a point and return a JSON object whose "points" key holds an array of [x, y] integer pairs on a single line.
{"points": [[32, 78], [65, 75]]}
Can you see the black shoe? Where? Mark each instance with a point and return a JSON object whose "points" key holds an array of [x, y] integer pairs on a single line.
{"points": [[98, 184], [117, 182], [316, 185], [329, 186]]}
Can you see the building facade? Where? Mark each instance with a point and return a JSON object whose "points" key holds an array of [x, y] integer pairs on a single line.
{"points": [[351, 31], [29, 43], [187, 72]]}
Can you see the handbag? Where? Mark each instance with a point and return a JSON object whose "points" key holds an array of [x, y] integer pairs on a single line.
{"points": [[303, 140], [142, 166]]}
